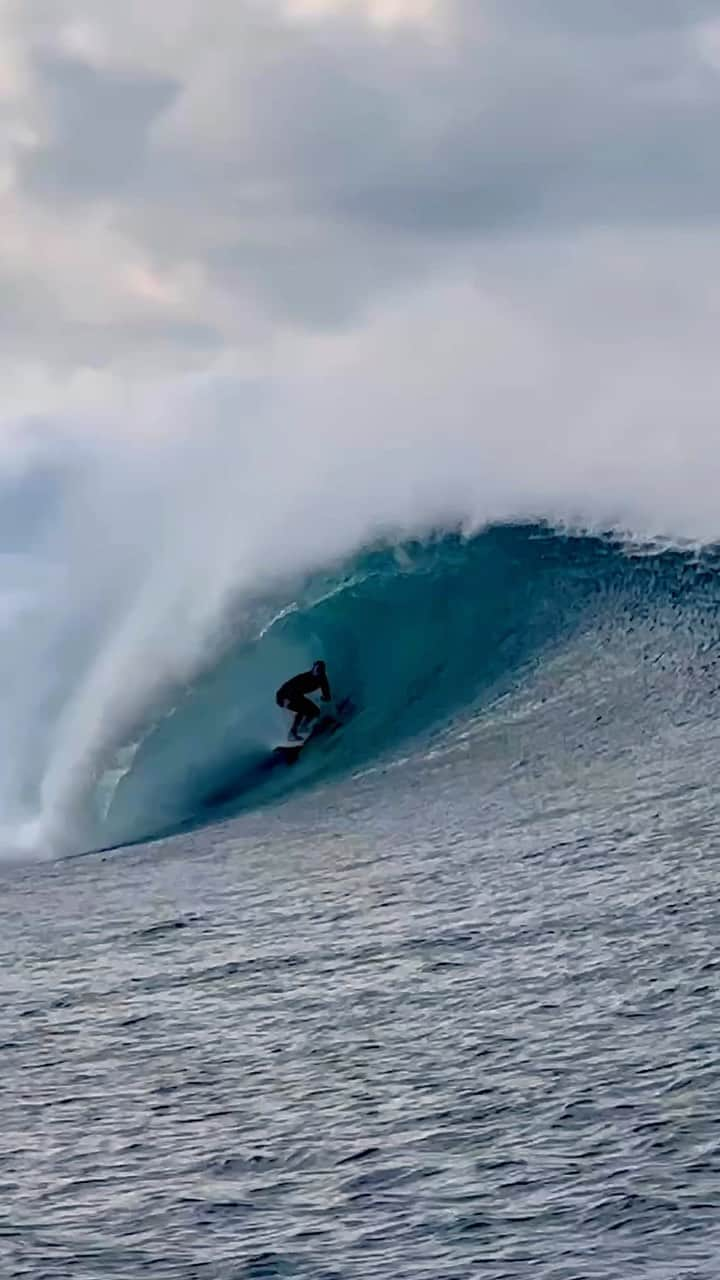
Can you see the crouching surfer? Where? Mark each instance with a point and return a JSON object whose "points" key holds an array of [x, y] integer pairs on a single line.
{"points": [[293, 697]]}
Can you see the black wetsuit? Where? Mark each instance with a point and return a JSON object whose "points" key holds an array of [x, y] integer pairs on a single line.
{"points": [[293, 696]]}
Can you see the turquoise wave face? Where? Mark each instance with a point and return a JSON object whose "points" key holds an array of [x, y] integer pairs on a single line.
{"points": [[421, 637]]}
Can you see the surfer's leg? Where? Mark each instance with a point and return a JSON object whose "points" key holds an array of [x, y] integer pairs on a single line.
{"points": [[306, 713], [310, 710], [293, 704]]}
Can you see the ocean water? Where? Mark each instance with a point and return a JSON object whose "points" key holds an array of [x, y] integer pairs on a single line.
{"points": [[440, 1001]]}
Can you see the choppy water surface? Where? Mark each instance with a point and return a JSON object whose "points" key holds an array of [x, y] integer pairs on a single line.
{"points": [[456, 1016]]}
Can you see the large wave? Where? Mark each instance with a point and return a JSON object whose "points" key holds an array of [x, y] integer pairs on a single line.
{"points": [[148, 535], [419, 636], [409, 633]]}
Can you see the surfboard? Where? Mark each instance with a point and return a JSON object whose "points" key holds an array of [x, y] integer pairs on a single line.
{"points": [[290, 751], [291, 744]]}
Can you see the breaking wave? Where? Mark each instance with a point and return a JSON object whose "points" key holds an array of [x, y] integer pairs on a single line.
{"points": [[421, 637]]}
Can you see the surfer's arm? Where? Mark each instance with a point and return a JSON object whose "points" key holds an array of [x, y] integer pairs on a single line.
{"points": [[325, 690]]}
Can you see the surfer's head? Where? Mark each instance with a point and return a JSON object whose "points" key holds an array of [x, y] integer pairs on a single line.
{"points": [[318, 667]]}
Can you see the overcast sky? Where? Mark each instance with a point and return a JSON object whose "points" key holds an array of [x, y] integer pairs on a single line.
{"points": [[185, 183], [321, 268]]}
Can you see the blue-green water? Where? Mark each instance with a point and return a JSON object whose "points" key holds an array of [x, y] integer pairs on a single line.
{"points": [[442, 1002]]}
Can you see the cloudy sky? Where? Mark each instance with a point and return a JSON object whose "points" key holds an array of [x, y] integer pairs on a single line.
{"points": [[473, 238], [185, 184]]}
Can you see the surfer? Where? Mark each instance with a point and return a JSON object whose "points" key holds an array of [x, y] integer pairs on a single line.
{"points": [[293, 696]]}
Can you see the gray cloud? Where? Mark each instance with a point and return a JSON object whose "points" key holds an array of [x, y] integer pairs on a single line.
{"points": [[238, 168], [613, 17], [98, 127]]}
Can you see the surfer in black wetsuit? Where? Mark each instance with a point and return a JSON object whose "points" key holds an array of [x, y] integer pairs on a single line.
{"points": [[293, 696]]}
